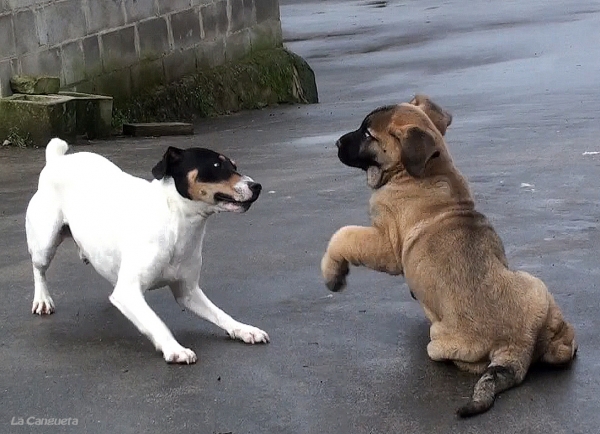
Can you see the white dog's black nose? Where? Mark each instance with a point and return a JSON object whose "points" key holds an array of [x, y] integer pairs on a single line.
{"points": [[255, 188]]}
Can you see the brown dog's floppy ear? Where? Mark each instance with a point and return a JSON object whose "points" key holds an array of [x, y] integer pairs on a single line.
{"points": [[418, 148], [440, 117], [164, 166]]}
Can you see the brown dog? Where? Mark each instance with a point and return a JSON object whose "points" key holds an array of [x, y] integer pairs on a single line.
{"points": [[484, 317]]}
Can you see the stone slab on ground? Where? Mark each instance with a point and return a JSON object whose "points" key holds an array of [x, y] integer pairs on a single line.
{"points": [[35, 85], [156, 129], [94, 114], [34, 119]]}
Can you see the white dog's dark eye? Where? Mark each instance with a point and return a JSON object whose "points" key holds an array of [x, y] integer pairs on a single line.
{"points": [[216, 164]]}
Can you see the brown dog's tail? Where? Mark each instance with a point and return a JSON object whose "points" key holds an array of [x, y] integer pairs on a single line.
{"points": [[494, 380]]}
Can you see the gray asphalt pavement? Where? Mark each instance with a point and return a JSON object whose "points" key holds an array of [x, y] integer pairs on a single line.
{"points": [[521, 79]]}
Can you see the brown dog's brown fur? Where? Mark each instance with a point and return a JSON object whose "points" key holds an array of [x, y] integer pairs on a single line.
{"points": [[485, 317]]}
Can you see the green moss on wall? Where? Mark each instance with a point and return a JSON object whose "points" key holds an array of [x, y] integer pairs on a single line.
{"points": [[264, 78], [35, 118]]}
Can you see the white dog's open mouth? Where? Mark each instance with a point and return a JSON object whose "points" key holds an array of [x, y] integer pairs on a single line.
{"points": [[230, 204]]}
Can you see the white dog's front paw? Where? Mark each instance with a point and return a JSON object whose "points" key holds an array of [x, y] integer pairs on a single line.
{"points": [[249, 334], [43, 306], [179, 354]]}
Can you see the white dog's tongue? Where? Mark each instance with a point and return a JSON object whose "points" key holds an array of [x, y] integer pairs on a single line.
{"points": [[373, 176]]}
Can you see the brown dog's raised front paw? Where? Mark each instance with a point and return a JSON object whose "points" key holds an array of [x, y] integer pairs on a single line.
{"points": [[336, 285], [334, 273]]}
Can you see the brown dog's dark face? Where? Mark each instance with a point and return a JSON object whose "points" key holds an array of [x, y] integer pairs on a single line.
{"points": [[393, 139], [206, 176]]}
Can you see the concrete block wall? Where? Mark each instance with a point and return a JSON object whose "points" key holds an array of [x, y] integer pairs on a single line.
{"points": [[119, 47]]}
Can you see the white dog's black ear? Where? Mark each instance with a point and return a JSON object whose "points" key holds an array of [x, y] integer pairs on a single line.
{"points": [[418, 148], [164, 167]]}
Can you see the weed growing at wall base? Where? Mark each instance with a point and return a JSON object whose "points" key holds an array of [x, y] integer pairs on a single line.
{"points": [[19, 139]]}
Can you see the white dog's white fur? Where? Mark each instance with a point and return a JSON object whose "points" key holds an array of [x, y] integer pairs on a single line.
{"points": [[139, 235]]}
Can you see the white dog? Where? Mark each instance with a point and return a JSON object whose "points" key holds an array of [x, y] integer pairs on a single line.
{"points": [[139, 235]]}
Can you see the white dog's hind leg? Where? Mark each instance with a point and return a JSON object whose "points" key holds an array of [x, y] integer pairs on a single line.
{"points": [[42, 301], [191, 297], [43, 226], [130, 300]]}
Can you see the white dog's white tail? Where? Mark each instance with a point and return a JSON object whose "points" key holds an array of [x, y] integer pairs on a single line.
{"points": [[56, 148]]}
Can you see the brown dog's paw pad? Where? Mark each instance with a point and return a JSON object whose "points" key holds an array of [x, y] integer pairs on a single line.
{"points": [[337, 284], [334, 273]]}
